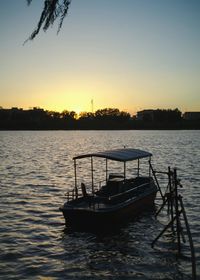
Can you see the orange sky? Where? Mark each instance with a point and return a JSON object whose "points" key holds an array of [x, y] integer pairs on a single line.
{"points": [[132, 55]]}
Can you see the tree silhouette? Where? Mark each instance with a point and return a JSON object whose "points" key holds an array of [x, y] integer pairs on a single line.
{"points": [[52, 10]]}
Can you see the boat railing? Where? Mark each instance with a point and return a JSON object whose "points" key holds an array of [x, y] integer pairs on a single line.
{"points": [[131, 193], [70, 194], [117, 198], [108, 198]]}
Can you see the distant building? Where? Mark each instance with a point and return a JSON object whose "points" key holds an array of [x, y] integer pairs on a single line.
{"points": [[191, 116], [145, 115]]}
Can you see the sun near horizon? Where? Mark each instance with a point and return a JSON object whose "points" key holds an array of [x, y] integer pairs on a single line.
{"points": [[132, 56]]}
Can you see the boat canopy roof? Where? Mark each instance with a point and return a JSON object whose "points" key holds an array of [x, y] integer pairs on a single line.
{"points": [[124, 155]]}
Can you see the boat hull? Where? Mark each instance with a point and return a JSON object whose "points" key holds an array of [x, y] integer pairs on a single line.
{"points": [[97, 219]]}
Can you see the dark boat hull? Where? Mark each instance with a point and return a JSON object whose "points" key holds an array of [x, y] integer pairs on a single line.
{"points": [[95, 219]]}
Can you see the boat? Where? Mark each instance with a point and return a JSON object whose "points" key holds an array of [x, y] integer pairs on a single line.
{"points": [[118, 199]]}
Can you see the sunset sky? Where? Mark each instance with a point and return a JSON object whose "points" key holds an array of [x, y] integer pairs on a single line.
{"points": [[130, 54]]}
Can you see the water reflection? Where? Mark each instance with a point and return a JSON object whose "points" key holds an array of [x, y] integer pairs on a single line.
{"points": [[35, 172], [124, 253]]}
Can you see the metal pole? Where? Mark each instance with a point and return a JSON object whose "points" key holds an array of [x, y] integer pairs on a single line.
{"points": [[138, 168], [161, 233], [171, 197], [124, 170], [149, 167], [106, 170], [76, 189], [92, 175], [193, 259], [177, 212], [156, 180]]}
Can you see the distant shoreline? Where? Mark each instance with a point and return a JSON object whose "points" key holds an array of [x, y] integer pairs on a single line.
{"points": [[99, 129], [130, 125], [104, 119]]}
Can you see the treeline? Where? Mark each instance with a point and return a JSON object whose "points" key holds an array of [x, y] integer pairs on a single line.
{"points": [[108, 118]]}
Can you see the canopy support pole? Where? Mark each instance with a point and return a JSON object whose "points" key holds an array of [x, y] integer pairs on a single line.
{"points": [[76, 188], [106, 170], [149, 167], [92, 175], [124, 170]]}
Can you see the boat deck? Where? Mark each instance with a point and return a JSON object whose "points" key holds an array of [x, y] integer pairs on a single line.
{"points": [[116, 191], [91, 202]]}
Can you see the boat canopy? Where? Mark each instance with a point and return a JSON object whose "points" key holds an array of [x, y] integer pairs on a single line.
{"points": [[123, 155]]}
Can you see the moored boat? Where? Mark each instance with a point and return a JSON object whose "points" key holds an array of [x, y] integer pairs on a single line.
{"points": [[120, 198]]}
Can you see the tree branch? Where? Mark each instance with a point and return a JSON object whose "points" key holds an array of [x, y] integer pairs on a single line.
{"points": [[52, 10]]}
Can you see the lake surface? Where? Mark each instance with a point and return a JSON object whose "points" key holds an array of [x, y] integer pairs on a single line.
{"points": [[36, 170]]}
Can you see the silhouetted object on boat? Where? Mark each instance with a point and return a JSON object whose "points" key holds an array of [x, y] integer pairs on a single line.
{"points": [[121, 197]]}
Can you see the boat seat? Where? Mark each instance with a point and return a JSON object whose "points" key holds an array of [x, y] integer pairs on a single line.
{"points": [[115, 175], [83, 189], [114, 185]]}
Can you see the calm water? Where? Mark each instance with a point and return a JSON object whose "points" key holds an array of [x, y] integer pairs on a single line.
{"points": [[36, 169]]}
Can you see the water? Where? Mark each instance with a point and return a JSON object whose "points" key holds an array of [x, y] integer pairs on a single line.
{"points": [[36, 170]]}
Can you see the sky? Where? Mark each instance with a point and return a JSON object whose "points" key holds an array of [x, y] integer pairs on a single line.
{"points": [[130, 54]]}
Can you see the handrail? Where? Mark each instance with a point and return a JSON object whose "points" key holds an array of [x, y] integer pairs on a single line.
{"points": [[128, 191], [76, 192]]}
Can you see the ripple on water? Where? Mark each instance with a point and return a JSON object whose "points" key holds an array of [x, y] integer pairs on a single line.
{"points": [[35, 172]]}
